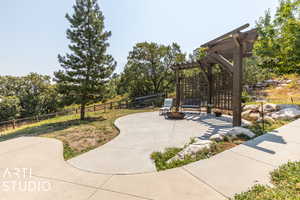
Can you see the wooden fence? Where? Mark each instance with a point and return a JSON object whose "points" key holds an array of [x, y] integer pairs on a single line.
{"points": [[124, 104]]}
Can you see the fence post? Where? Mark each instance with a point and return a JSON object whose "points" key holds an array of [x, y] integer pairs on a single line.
{"points": [[105, 107], [111, 105], [14, 124], [127, 104], [94, 108]]}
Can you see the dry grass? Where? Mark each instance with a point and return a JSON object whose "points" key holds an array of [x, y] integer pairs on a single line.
{"points": [[114, 99], [286, 94], [77, 136]]}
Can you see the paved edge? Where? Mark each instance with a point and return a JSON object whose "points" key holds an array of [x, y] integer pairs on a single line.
{"points": [[288, 133]]}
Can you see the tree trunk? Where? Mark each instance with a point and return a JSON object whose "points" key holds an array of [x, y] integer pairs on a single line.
{"points": [[82, 111]]}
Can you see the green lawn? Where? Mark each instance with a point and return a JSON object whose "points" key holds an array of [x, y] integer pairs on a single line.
{"points": [[77, 136], [286, 181]]}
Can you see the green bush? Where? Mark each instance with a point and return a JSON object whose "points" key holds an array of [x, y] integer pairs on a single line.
{"points": [[259, 129], [161, 158], [286, 181], [246, 97], [9, 108]]}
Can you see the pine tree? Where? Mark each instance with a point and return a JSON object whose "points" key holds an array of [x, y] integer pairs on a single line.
{"points": [[87, 68]]}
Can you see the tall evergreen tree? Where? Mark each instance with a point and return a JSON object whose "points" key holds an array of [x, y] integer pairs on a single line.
{"points": [[88, 67]]}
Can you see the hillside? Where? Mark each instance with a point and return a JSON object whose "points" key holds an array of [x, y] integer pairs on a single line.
{"points": [[280, 89]]}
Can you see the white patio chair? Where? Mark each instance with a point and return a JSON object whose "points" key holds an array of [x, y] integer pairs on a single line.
{"points": [[168, 104]]}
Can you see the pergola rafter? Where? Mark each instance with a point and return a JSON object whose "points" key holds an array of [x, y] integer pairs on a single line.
{"points": [[228, 52]]}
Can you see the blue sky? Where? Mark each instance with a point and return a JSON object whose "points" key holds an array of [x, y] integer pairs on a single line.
{"points": [[33, 31]]}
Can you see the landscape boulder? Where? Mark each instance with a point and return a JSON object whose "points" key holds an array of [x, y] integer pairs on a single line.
{"points": [[246, 113], [270, 107], [286, 114], [236, 131], [251, 107], [253, 116], [289, 81], [192, 149], [246, 123], [271, 82], [201, 142], [217, 137]]}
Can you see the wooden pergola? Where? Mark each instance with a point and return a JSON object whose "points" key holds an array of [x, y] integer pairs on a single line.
{"points": [[227, 52]]}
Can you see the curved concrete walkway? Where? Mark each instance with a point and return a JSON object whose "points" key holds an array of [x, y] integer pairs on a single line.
{"points": [[140, 135], [217, 178]]}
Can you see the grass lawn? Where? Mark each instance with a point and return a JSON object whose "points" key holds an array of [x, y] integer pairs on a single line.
{"points": [[286, 181], [77, 136]]}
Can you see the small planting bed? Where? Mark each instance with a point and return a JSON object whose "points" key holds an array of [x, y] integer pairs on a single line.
{"points": [[161, 159]]}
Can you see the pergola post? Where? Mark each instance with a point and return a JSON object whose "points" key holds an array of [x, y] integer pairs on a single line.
{"points": [[237, 81], [178, 95], [210, 88]]}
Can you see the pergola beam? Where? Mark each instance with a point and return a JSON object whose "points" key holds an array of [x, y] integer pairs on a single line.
{"points": [[223, 61], [213, 42], [227, 46]]}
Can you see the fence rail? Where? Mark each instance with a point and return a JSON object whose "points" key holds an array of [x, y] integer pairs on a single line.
{"points": [[123, 104]]}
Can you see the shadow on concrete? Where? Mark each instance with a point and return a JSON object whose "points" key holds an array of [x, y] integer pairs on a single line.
{"points": [[224, 124], [268, 137], [215, 124]]}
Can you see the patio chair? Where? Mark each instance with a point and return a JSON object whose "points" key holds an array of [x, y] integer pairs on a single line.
{"points": [[168, 104]]}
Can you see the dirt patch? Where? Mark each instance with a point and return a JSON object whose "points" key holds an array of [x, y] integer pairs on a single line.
{"points": [[84, 137], [227, 145]]}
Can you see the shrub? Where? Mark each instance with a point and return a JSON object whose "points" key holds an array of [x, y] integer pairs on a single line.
{"points": [[285, 179], [161, 158]]}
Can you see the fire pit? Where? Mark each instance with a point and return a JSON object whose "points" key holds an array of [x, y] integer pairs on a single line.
{"points": [[218, 114], [175, 115]]}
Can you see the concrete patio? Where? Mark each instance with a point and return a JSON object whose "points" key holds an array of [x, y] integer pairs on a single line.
{"points": [[143, 133], [217, 178]]}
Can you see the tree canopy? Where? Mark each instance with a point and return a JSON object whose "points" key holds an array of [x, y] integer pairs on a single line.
{"points": [[278, 46], [9, 108], [27, 96], [148, 69], [87, 68]]}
